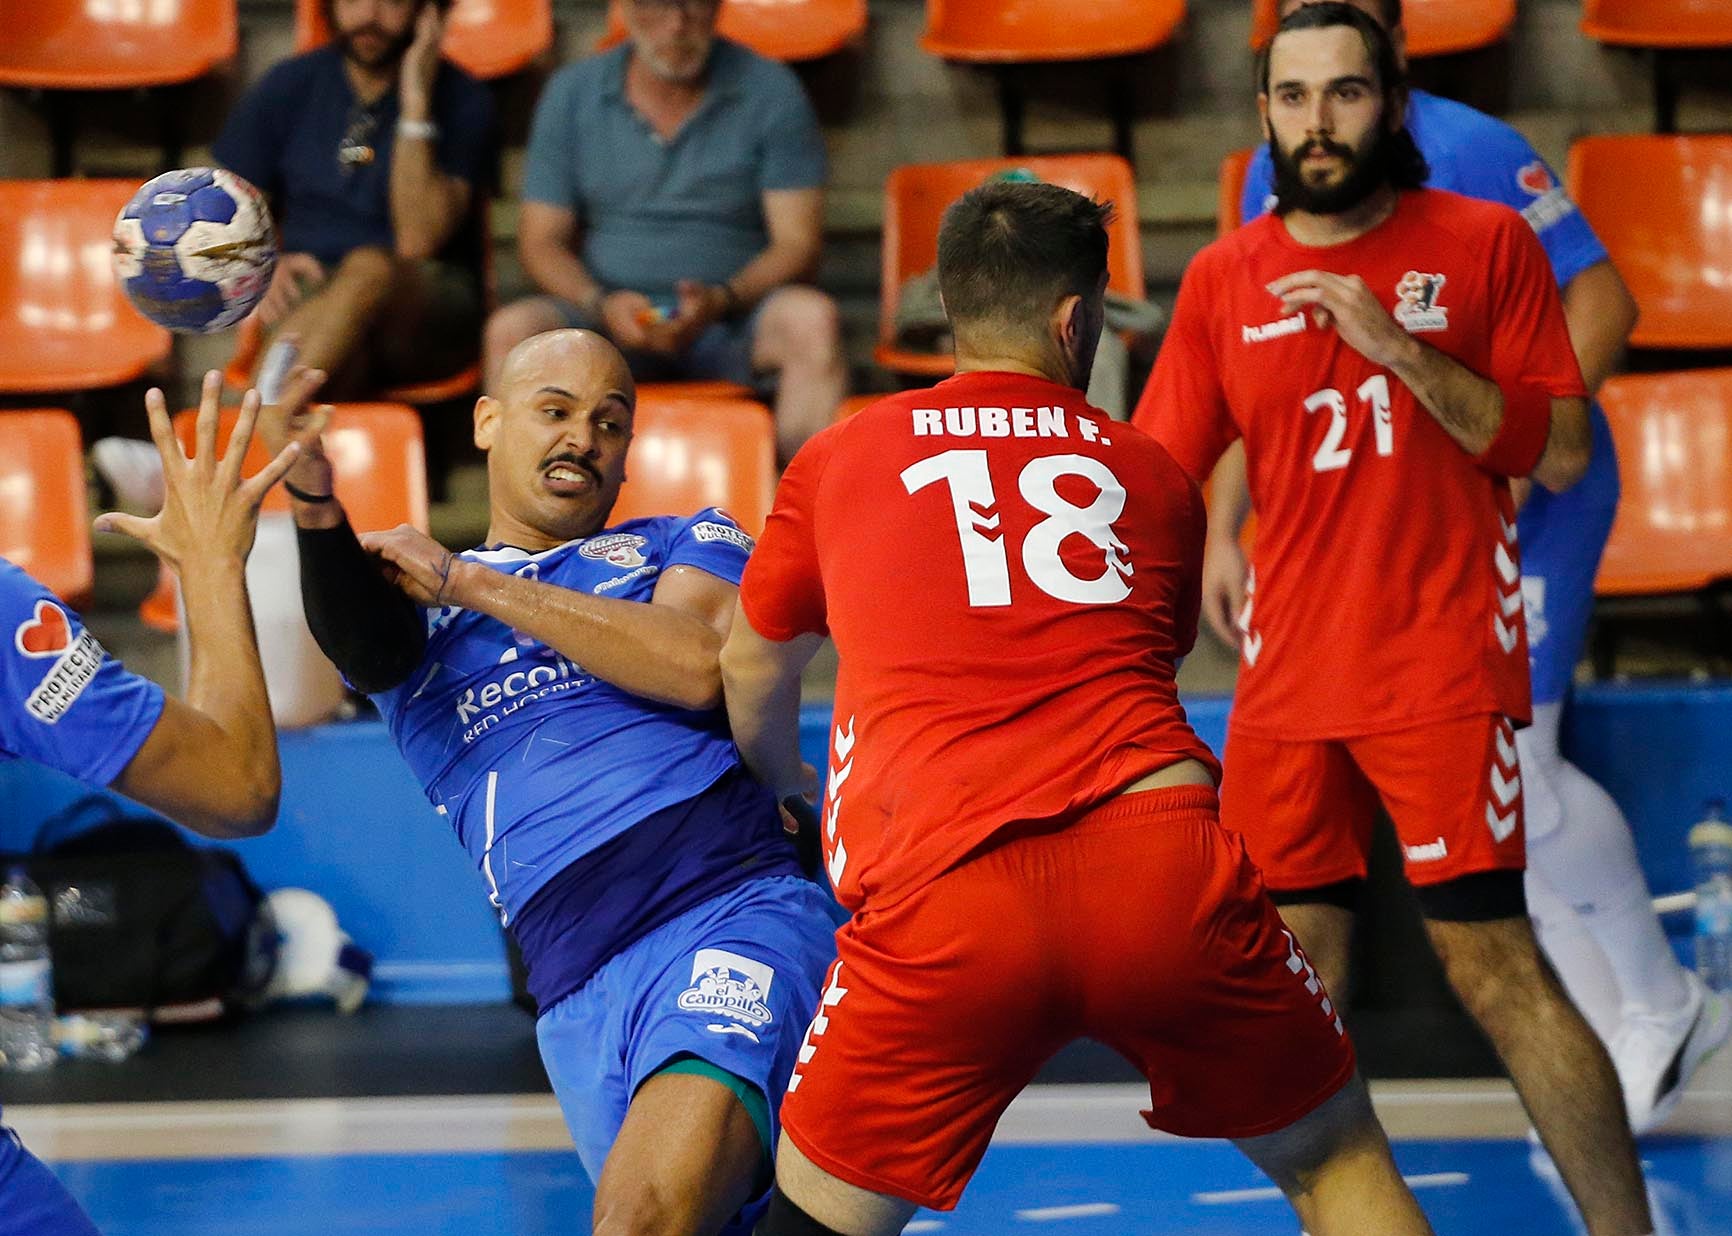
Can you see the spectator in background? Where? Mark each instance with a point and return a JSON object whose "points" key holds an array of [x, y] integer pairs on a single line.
{"points": [[672, 199], [374, 152]]}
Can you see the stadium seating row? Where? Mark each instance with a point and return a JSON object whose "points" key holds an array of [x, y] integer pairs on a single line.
{"points": [[55, 46]]}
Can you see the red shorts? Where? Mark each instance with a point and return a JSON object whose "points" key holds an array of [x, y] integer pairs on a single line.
{"points": [[1143, 925], [1306, 809]]}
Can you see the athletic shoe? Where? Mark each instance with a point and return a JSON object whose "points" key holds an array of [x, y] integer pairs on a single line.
{"points": [[133, 471], [1657, 1053]]}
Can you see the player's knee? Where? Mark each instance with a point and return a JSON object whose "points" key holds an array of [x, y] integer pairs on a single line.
{"points": [[803, 326], [785, 1218], [512, 324], [1332, 1137]]}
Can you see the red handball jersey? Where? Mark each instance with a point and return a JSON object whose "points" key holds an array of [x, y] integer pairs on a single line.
{"points": [[1386, 580], [1010, 578]]}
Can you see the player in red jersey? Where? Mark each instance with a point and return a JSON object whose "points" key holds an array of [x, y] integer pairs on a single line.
{"points": [[1391, 355], [1018, 813]]}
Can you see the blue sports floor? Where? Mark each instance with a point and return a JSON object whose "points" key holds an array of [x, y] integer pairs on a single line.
{"points": [[1468, 1189], [1069, 1159]]}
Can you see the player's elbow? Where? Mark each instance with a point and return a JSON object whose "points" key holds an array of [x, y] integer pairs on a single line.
{"points": [[702, 691]]}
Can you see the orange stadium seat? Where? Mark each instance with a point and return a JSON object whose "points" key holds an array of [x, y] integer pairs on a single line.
{"points": [[1434, 27], [1658, 23], [687, 454], [1232, 188], [1671, 240], [486, 38], [44, 516], [1674, 526], [786, 30], [1021, 31], [916, 195], [114, 44], [65, 324], [381, 475]]}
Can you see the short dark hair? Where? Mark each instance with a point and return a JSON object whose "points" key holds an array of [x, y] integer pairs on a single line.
{"points": [[329, 8], [1009, 251]]}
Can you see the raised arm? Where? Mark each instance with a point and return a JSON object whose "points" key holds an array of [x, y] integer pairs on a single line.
{"points": [[427, 204], [664, 651], [210, 761], [761, 682]]}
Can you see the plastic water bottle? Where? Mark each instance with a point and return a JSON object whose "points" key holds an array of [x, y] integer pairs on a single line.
{"points": [[109, 1035], [1711, 859], [26, 976]]}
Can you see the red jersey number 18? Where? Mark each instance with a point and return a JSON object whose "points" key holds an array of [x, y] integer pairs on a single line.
{"points": [[985, 558]]}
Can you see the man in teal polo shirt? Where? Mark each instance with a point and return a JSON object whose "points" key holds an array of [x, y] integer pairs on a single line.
{"points": [[673, 199]]}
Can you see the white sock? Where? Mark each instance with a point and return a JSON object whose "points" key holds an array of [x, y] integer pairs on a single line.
{"points": [[1585, 972], [1579, 845]]}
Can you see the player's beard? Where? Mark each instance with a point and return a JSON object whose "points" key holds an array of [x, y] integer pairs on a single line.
{"points": [[1367, 172]]}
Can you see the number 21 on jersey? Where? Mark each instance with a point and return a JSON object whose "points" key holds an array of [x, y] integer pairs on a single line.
{"points": [[1373, 392], [986, 558]]}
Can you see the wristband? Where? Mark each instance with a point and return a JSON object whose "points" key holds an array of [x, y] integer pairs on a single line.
{"points": [[1521, 439], [303, 496], [421, 130]]}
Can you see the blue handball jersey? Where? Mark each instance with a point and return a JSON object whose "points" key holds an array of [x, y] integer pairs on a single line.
{"points": [[64, 702], [534, 760], [1477, 155]]}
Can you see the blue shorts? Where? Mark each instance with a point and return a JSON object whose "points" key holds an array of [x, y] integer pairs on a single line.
{"points": [[1562, 536], [722, 353], [733, 981], [32, 1201]]}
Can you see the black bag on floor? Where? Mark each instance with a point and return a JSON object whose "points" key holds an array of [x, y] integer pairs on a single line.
{"points": [[139, 918]]}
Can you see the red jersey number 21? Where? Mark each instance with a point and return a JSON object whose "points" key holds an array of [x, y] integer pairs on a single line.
{"points": [[1374, 391], [979, 526]]}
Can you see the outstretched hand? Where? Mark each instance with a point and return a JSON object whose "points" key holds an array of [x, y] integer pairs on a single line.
{"points": [[210, 513]]}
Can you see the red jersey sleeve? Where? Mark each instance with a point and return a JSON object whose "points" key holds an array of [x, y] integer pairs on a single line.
{"points": [[1530, 336], [1184, 406], [782, 591]]}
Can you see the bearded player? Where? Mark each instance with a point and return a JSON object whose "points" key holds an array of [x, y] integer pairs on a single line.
{"points": [[1586, 893], [1391, 356], [1018, 813]]}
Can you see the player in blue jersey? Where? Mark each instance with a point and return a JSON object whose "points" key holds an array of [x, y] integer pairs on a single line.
{"points": [[209, 761], [557, 692], [1585, 888]]}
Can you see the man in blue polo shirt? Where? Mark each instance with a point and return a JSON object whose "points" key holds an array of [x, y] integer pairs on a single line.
{"points": [[375, 153], [1586, 892], [673, 200], [558, 695]]}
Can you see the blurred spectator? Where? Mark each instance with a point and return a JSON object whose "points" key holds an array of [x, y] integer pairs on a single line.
{"points": [[673, 196], [374, 152]]}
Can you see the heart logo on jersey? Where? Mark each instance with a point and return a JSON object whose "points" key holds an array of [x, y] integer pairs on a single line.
{"points": [[48, 634], [1536, 179]]}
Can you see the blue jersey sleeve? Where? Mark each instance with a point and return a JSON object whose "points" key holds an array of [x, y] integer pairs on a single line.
{"points": [[1505, 168], [712, 542], [63, 701], [1259, 184]]}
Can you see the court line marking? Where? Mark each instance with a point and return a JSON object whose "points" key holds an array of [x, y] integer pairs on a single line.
{"points": [[1268, 1193], [924, 1225], [1043, 1115], [1055, 1214]]}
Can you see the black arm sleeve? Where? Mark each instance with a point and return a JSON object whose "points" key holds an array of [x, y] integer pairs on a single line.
{"points": [[374, 635]]}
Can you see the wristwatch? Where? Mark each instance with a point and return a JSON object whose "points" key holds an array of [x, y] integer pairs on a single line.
{"points": [[420, 130]]}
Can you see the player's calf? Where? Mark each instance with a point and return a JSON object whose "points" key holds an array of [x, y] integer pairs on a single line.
{"points": [[809, 1201], [1336, 1169]]}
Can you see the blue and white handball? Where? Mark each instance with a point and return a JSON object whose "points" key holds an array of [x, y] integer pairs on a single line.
{"points": [[195, 249]]}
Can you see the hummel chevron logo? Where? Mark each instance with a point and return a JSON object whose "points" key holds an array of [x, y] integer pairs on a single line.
{"points": [[1501, 825], [1510, 603], [1509, 529], [1506, 566], [1505, 750], [1505, 791], [1507, 635]]}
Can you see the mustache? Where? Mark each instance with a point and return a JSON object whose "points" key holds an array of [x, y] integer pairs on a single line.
{"points": [[1323, 146], [574, 460]]}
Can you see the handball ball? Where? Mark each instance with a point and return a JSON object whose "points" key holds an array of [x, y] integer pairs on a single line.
{"points": [[195, 249]]}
